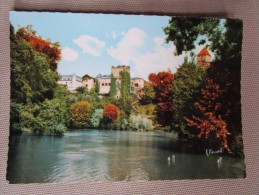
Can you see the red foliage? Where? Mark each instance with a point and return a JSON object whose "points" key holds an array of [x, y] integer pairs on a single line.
{"points": [[210, 122], [111, 112], [163, 87], [52, 50]]}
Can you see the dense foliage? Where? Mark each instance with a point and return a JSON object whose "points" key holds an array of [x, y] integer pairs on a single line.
{"points": [[51, 50], [34, 106], [96, 118], [163, 86], [81, 114], [210, 123], [113, 89], [225, 41], [148, 94], [32, 80], [111, 112], [187, 85], [137, 122], [196, 103], [125, 85]]}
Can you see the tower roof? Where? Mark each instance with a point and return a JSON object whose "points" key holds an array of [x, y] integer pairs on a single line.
{"points": [[204, 52]]}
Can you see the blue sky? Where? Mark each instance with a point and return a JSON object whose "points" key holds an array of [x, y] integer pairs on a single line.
{"points": [[92, 43]]}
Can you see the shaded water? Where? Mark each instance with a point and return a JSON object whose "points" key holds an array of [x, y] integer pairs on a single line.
{"points": [[99, 155]]}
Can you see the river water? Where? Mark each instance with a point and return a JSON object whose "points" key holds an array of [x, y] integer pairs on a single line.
{"points": [[101, 155]]}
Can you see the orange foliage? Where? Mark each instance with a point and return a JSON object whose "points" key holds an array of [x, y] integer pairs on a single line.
{"points": [[210, 121], [111, 112], [52, 50]]}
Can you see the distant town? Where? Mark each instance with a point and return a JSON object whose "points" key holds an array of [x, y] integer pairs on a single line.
{"points": [[73, 81]]}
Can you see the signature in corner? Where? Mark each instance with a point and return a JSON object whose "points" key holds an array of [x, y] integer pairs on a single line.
{"points": [[210, 151]]}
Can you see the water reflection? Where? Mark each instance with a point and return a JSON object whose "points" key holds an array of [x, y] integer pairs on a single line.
{"points": [[93, 155]]}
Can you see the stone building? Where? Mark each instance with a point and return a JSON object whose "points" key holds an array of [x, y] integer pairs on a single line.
{"points": [[137, 85], [88, 82], [204, 58], [116, 70], [70, 81], [104, 81]]}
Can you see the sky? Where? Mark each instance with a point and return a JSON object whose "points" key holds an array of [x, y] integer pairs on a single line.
{"points": [[92, 43]]}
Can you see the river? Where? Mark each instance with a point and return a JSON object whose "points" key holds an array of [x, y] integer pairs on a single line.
{"points": [[101, 155]]}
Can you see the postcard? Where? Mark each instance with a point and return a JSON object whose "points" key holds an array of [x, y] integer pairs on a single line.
{"points": [[116, 97]]}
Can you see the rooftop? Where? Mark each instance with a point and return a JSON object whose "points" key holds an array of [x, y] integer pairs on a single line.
{"points": [[204, 52]]}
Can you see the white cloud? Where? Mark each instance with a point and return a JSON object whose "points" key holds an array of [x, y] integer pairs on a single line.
{"points": [[126, 49], [161, 58], [90, 45], [147, 54], [114, 34], [69, 54]]}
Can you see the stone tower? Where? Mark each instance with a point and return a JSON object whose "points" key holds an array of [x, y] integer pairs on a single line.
{"points": [[116, 70], [204, 58]]}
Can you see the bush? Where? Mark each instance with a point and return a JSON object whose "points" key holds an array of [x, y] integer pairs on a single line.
{"points": [[137, 122], [81, 90], [81, 114], [96, 117], [60, 129], [111, 112]]}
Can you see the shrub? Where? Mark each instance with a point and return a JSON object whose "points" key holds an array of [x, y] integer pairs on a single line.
{"points": [[137, 122], [96, 117], [60, 129], [81, 114], [111, 112]]}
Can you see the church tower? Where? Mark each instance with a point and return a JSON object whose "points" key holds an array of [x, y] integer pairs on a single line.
{"points": [[204, 58]]}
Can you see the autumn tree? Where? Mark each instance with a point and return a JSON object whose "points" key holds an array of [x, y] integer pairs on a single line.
{"points": [[31, 77], [52, 50], [225, 41], [210, 123], [111, 112], [163, 87], [81, 114]]}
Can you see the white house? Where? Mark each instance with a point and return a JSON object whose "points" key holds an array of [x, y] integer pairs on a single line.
{"points": [[71, 82]]}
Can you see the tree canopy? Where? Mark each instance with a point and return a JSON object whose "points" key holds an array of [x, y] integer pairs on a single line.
{"points": [[163, 86]]}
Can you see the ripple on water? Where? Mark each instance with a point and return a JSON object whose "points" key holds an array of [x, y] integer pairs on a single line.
{"points": [[110, 156]]}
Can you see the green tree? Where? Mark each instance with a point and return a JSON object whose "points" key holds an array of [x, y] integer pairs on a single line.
{"points": [[97, 87], [16, 110], [52, 113], [187, 84], [81, 114], [225, 38], [113, 88], [148, 94], [81, 90], [32, 79], [125, 85]]}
